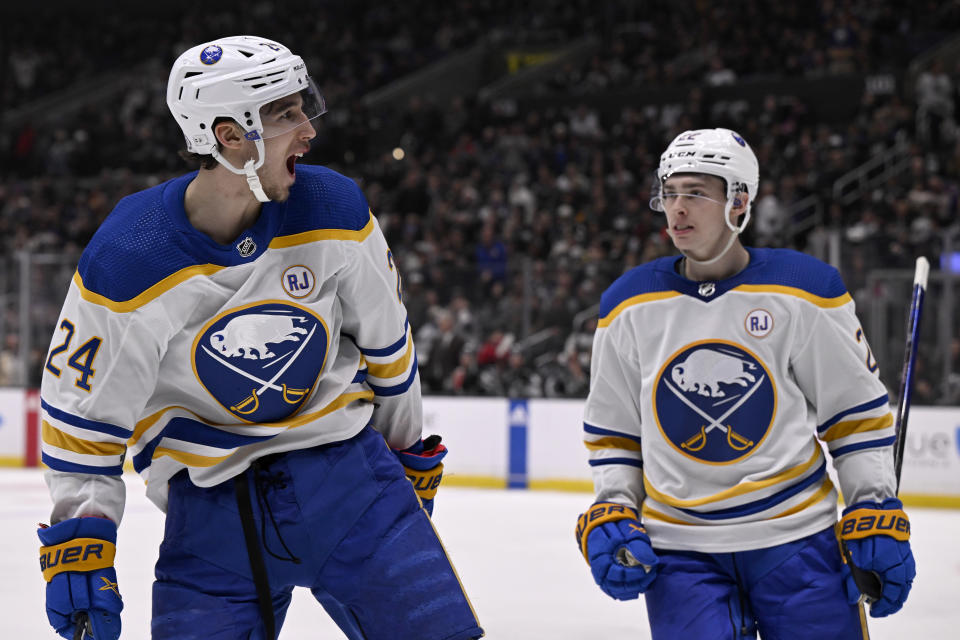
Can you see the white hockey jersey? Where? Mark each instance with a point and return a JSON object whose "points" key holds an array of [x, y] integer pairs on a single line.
{"points": [[177, 352], [708, 403]]}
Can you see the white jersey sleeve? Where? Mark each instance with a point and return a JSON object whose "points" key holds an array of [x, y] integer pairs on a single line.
{"points": [[612, 423], [375, 319], [101, 368], [839, 376]]}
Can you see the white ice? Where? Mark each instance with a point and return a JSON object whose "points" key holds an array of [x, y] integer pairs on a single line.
{"points": [[514, 550]]}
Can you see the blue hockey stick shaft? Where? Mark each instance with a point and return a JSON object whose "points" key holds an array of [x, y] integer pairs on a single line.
{"points": [[868, 582], [909, 361]]}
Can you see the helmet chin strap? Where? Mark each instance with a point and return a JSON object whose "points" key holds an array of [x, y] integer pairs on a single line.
{"points": [[249, 171], [734, 232], [253, 181]]}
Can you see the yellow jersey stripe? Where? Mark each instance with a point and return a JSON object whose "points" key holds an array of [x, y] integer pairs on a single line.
{"points": [[338, 403], [189, 459], [822, 493], [639, 299], [53, 436], [306, 237], [612, 442], [391, 369], [739, 490], [124, 306], [850, 427], [826, 303], [648, 513]]}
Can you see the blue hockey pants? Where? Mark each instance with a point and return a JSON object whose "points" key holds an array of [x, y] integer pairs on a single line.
{"points": [[793, 591], [340, 519]]}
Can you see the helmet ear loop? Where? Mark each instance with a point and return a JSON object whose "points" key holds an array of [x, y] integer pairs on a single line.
{"points": [[734, 200], [249, 170]]}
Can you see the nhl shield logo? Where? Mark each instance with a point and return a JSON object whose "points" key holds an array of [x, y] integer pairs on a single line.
{"points": [[714, 401], [261, 361], [246, 247]]}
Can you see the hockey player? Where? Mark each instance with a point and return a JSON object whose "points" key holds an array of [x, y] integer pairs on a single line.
{"points": [[716, 377], [239, 335]]}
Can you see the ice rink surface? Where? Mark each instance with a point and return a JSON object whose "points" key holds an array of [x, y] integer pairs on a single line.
{"points": [[514, 550]]}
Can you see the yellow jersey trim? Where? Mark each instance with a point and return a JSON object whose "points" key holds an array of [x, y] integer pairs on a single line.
{"points": [[648, 513], [338, 403], [306, 237], [739, 490], [844, 429], [822, 493], [391, 369], [53, 436], [189, 459], [639, 299], [612, 442], [155, 291], [826, 303]]}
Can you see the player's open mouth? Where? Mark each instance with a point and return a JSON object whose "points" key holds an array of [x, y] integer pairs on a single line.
{"points": [[291, 163], [682, 229]]}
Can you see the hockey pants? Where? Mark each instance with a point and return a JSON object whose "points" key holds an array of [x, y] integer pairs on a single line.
{"points": [[789, 592], [340, 519]]}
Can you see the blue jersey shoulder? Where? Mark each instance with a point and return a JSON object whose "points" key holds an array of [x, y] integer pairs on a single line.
{"points": [[136, 246], [321, 198], [645, 278], [789, 268]]}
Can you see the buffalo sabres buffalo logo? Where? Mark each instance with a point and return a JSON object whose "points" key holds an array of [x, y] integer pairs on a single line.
{"points": [[714, 401], [260, 361]]}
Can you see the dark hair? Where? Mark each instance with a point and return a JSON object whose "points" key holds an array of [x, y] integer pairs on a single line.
{"points": [[203, 160], [198, 160]]}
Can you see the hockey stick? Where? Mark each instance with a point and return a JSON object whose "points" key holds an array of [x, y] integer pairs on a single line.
{"points": [[82, 623], [867, 581]]}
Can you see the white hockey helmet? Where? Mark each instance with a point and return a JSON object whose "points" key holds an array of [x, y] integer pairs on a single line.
{"points": [[716, 152], [233, 78]]}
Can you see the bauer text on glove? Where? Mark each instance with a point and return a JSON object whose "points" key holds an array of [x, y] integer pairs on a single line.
{"points": [[877, 537], [615, 545], [77, 562]]}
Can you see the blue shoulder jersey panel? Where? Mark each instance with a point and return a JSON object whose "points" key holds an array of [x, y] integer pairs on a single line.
{"points": [[643, 279], [767, 267], [138, 245], [789, 268], [147, 237], [321, 198]]}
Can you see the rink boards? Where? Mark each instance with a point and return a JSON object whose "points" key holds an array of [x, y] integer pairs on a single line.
{"points": [[538, 444]]}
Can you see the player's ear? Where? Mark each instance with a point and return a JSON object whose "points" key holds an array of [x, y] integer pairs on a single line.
{"points": [[740, 203], [228, 134]]}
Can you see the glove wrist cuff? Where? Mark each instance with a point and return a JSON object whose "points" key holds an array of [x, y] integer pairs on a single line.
{"points": [[79, 554], [863, 522], [597, 515], [425, 483]]}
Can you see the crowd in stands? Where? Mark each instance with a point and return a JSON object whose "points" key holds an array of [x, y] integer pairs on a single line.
{"points": [[725, 42], [507, 221]]}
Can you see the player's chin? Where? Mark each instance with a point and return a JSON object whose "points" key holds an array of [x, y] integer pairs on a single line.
{"points": [[277, 193]]}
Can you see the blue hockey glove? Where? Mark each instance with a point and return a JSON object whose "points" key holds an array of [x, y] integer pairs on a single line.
{"points": [[617, 548], [877, 537], [423, 466], [77, 562]]}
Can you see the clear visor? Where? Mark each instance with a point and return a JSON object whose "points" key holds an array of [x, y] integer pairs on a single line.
{"points": [[285, 114], [661, 198]]}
